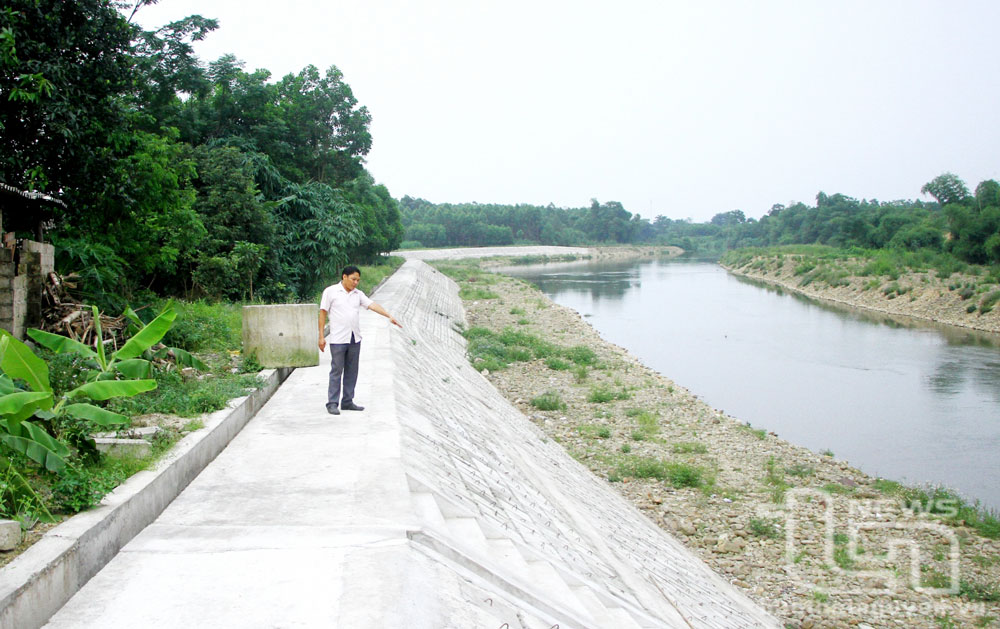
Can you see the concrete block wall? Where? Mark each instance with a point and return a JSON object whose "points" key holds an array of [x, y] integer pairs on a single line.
{"points": [[6, 294], [21, 287]]}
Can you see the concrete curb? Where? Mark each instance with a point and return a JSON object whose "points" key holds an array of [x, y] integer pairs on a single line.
{"points": [[40, 581]]}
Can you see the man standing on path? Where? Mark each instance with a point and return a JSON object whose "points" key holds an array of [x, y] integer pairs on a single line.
{"points": [[343, 302]]}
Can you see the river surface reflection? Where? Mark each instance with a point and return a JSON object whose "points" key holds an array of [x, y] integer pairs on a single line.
{"points": [[898, 398]]}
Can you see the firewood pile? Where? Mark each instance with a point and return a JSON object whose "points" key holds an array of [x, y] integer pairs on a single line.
{"points": [[63, 314]]}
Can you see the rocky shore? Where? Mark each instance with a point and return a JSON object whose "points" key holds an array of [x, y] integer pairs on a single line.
{"points": [[817, 542]]}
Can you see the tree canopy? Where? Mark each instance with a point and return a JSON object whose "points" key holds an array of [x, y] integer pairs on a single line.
{"points": [[218, 181], [964, 224]]}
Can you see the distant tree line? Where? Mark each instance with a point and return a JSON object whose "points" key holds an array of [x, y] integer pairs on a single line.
{"points": [[964, 223], [179, 176]]}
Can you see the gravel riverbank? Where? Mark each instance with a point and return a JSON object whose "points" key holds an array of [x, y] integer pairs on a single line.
{"points": [[817, 542]]}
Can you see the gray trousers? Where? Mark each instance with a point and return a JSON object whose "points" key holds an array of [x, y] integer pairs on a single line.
{"points": [[343, 363]]}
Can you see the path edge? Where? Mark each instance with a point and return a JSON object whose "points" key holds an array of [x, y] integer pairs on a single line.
{"points": [[35, 585]]}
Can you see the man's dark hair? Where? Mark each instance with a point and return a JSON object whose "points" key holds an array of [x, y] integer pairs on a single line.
{"points": [[350, 270]]}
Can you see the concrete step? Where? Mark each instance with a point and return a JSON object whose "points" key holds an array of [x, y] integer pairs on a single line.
{"points": [[505, 553], [467, 534], [548, 583], [604, 616], [427, 510]]}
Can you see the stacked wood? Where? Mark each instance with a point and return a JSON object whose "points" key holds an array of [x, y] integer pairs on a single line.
{"points": [[63, 314]]}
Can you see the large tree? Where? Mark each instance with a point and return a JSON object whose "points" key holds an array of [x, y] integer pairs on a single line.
{"points": [[62, 67]]}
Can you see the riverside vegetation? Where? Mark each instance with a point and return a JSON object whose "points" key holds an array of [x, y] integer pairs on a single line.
{"points": [[747, 502]]}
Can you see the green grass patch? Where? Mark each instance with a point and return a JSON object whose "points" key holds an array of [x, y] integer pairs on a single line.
{"points": [[944, 504], [558, 364], [978, 591], [764, 527], [187, 397], [581, 355], [800, 470], [760, 433], [602, 394], [202, 326], [677, 474], [548, 401], [989, 302], [689, 447]]}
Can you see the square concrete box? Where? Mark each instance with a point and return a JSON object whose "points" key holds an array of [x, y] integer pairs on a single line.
{"points": [[282, 335]]}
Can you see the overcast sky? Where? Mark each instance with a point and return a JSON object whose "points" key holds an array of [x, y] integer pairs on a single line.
{"points": [[684, 109]]}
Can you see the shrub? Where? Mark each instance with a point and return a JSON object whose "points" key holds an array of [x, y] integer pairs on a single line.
{"points": [[762, 527], [581, 355], [557, 364], [690, 447], [990, 301], [548, 401], [602, 394], [677, 474]]}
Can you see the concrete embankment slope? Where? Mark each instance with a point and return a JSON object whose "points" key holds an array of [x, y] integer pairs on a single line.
{"points": [[438, 506]]}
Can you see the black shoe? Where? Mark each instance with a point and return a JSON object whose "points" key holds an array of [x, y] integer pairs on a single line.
{"points": [[351, 406], [333, 410]]}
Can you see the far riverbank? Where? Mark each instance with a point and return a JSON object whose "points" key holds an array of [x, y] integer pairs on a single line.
{"points": [[953, 300]]}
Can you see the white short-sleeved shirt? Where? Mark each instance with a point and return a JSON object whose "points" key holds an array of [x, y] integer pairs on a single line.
{"points": [[343, 309]]}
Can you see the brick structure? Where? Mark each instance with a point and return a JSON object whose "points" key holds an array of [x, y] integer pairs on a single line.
{"points": [[23, 269]]}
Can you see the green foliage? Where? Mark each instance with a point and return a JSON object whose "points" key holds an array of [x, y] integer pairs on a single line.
{"points": [[689, 447], [978, 591], [581, 355], [218, 182], [760, 433], [188, 397], [202, 326], [764, 527], [989, 302], [18, 499], [557, 364], [602, 394], [677, 474], [946, 504], [548, 401]]}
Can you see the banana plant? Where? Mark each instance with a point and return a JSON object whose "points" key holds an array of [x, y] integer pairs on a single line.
{"points": [[17, 406]]}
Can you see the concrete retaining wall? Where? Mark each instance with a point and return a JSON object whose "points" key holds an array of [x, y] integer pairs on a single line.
{"points": [[282, 335]]}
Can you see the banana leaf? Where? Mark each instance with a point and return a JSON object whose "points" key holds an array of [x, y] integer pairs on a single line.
{"points": [[14, 403], [20, 362], [38, 446], [107, 389], [148, 336], [95, 414], [61, 344], [99, 340], [6, 384], [135, 368], [182, 358]]}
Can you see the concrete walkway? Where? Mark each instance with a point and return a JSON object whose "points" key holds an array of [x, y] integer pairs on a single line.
{"points": [[440, 505]]}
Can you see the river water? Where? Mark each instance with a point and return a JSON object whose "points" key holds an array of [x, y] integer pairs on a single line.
{"points": [[913, 402]]}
